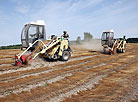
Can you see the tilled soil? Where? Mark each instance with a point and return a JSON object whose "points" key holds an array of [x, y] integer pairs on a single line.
{"points": [[88, 76]]}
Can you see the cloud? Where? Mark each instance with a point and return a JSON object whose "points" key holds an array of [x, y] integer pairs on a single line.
{"points": [[21, 6], [83, 4], [22, 9], [68, 15], [75, 16]]}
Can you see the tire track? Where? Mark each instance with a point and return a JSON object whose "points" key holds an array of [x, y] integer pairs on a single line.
{"points": [[120, 86]]}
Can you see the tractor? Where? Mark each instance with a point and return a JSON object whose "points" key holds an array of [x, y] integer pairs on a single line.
{"points": [[111, 45], [33, 38]]}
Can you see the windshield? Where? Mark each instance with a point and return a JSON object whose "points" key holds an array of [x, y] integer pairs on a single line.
{"points": [[107, 35], [32, 32]]}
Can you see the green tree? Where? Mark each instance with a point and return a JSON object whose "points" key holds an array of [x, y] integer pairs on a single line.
{"points": [[78, 40], [11, 47], [87, 36]]}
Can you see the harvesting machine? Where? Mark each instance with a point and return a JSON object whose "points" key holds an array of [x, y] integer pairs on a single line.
{"points": [[33, 38], [111, 45]]}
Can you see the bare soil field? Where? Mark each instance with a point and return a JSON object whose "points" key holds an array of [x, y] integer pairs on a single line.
{"points": [[89, 76]]}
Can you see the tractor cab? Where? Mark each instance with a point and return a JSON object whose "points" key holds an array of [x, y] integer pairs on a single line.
{"points": [[31, 32], [107, 38]]}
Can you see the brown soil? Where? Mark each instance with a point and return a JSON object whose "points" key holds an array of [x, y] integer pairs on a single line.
{"points": [[89, 76]]}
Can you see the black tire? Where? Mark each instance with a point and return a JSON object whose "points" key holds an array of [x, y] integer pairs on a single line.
{"points": [[65, 56]]}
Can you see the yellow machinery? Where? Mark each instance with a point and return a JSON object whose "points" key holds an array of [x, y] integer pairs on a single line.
{"points": [[53, 48], [111, 45]]}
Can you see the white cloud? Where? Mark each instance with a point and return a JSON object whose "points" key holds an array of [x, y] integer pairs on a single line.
{"points": [[22, 9], [61, 15], [75, 16], [21, 6], [82, 4]]}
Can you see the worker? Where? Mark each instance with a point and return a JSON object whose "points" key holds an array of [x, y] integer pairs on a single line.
{"points": [[53, 36], [65, 35], [124, 38]]}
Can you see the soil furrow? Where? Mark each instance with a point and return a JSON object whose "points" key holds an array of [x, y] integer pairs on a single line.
{"points": [[36, 72], [104, 73], [120, 86], [8, 65], [80, 75], [43, 63], [87, 76]]}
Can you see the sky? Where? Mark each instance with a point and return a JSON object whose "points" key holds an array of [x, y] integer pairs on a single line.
{"points": [[74, 16]]}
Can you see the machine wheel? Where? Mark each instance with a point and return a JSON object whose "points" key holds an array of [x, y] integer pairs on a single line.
{"points": [[65, 56]]}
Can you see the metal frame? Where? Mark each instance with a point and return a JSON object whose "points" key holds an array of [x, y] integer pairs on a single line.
{"points": [[45, 48], [26, 34]]}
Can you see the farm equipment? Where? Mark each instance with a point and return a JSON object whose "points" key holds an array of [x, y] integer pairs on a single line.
{"points": [[53, 48], [111, 45], [31, 32]]}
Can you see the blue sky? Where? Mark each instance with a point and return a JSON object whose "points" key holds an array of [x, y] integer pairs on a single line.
{"points": [[75, 16]]}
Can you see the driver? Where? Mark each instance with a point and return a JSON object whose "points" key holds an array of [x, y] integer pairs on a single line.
{"points": [[65, 35]]}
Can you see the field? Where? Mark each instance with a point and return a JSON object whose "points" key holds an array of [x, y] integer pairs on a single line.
{"points": [[89, 76]]}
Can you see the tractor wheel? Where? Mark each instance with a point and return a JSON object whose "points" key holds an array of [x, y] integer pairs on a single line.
{"points": [[65, 56]]}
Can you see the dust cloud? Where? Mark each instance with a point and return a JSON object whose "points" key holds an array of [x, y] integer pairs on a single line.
{"points": [[94, 45]]}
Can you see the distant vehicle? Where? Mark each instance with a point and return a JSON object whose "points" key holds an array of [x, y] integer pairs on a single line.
{"points": [[111, 45]]}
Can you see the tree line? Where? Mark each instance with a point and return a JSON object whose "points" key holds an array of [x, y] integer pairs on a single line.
{"points": [[18, 46], [132, 40], [87, 37]]}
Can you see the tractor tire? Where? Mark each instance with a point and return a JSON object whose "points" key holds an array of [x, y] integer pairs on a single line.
{"points": [[65, 56]]}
